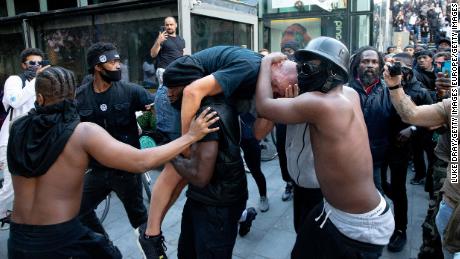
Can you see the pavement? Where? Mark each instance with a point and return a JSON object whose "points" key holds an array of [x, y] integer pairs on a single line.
{"points": [[272, 235]]}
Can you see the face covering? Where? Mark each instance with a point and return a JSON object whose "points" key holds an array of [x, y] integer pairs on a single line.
{"points": [[111, 76], [310, 83], [30, 72]]}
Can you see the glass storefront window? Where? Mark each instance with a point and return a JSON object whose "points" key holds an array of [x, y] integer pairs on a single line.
{"points": [[286, 6], [11, 47], [360, 5], [302, 30], [134, 32], [99, 1], [208, 32], [22, 6], [360, 29], [3, 9], [61, 4]]}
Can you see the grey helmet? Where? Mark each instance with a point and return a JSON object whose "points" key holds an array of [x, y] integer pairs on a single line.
{"points": [[329, 49]]}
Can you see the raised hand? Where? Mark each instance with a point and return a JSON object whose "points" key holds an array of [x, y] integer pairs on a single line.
{"points": [[200, 125]]}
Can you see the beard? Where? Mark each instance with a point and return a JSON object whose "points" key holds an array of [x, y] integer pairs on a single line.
{"points": [[368, 76]]}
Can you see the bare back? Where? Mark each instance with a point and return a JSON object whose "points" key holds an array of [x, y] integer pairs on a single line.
{"points": [[343, 160], [54, 197]]}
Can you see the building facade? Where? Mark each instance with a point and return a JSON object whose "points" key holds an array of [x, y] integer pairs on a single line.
{"points": [[65, 29]]}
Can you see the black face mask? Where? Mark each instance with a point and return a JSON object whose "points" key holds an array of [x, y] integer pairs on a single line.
{"points": [[311, 77], [111, 76], [30, 72]]}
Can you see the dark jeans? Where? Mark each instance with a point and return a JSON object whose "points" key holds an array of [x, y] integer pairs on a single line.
{"points": [[423, 142], [207, 231], [305, 199], [327, 242], [251, 150], [281, 149], [65, 240], [99, 183]]}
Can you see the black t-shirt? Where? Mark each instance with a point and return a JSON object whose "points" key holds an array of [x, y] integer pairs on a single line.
{"points": [[171, 49], [235, 69], [228, 184]]}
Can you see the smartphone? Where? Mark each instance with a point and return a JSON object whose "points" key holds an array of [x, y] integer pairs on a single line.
{"points": [[446, 67], [45, 62], [162, 28]]}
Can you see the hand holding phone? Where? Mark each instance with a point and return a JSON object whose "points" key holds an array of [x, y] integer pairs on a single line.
{"points": [[446, 67]]}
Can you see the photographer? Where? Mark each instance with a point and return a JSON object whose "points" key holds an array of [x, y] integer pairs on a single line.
{"points": [[18, 99], [434, 115], [401, 135], [167, 47]]}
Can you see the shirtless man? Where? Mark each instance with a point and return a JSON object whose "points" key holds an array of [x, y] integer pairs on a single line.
{"points": [[354, 218], [50, 154], [232, 71]]}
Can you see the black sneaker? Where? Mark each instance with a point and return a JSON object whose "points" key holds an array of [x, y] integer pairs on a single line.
{"points": [[287, 195], [154, 246], [397, 241], [245, 226]]}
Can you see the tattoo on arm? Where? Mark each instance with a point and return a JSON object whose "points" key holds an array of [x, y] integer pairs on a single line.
{"points": [[405, 107]]}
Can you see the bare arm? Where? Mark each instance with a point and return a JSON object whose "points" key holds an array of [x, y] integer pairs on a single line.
{"points": [[193, 95], [157, 46], [199, 169], [112, 153], [423, 115], [305, 107]]}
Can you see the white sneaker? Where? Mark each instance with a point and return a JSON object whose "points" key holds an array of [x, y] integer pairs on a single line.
{"points": [[263, 204]]}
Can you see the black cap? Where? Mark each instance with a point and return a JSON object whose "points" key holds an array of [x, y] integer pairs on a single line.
{"points": [[182, 72]]}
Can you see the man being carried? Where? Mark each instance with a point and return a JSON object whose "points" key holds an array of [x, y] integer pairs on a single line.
{"points": [[51, 153], [354, 218], [231, 71]]}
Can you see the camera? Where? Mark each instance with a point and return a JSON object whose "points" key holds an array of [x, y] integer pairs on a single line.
{"points": [[162, 28], [395, 69]]}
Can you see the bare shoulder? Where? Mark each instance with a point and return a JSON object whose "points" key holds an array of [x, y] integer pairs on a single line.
{"points": [[86, 130]]}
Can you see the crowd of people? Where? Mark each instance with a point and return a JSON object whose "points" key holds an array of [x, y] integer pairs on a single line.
{"points": [[341, 120], [426, 21]]}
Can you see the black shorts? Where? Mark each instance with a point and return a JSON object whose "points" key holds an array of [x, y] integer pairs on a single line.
{"points": [[65, 240]]}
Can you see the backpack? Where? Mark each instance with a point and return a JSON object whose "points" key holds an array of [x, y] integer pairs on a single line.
{"points": [[4, 113]]}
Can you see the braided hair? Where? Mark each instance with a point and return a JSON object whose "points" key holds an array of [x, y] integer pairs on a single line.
{"points": [[355, 59], [56, 83]]}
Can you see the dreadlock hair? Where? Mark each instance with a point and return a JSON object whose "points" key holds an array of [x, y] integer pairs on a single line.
{"points": [[56, 83], [355, 59]]}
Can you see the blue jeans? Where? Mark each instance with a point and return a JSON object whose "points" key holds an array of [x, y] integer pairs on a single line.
{"points": [[442, 219], [168, 118]]}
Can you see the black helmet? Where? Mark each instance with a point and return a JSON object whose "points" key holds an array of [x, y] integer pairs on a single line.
{"points": [[329, 49]]}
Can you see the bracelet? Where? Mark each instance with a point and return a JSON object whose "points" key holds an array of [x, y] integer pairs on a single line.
{"points": [[394, 87]]}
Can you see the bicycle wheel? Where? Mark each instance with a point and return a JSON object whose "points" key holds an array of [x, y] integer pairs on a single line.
{"points": [[103, 209]]}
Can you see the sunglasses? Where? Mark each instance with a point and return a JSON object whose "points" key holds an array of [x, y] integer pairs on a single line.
{"points": [[33, 63], [308, 68]]}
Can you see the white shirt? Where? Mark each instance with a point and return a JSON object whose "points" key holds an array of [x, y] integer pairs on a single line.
{"points": [[21, 99]]}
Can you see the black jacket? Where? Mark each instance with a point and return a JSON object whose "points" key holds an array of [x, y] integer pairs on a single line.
{"points": [[122, 101], [427, 80], [378, 114], [228, 184], [400, 151]]}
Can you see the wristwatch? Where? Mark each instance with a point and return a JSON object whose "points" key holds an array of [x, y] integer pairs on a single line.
{"points": [[394, 87]]}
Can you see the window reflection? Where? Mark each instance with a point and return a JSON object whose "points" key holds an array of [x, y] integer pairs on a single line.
{"points": [[11, 49], [208, 32]]}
